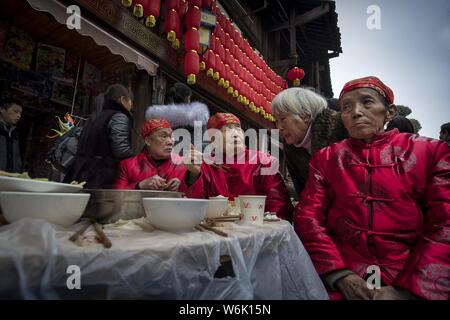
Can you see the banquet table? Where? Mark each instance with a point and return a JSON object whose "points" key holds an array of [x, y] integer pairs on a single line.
{"points": [[37, 261]]}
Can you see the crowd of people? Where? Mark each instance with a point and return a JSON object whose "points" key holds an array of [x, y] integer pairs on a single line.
{"points": [[369, 194]]}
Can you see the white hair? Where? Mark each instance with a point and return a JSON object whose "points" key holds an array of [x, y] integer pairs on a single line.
{"points": [[299, 101]]}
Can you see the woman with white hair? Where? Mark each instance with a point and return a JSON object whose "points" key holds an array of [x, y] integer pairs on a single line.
{"points": [[306, 125]]}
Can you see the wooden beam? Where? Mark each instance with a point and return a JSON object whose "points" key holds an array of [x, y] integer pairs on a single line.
{"points": [[283, 63], [304, 18], [292, 37]]}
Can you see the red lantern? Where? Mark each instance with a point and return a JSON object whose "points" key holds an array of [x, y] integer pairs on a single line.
{"points": [[172, 5], [191, 66], [228, 43], [192, 40], [215, 10], [221, 69], [197, 3], [221, 20], [127, 3], [296, 74], [207, 4], [193, 18], [227, 76], [183, 7], [210, 64], [213, 44], [172, 25], [219, 33], [221, 51], [151, 12]]}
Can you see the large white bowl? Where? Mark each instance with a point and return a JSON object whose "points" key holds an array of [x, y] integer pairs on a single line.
{"points": [[175, 214], [29, 185], [216, 207], [62, 209]]}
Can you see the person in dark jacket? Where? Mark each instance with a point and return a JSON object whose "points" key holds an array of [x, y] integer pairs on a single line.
{"points": [[104, 141], [10, 114], [306, 125], [444, 134], [401, 123]]}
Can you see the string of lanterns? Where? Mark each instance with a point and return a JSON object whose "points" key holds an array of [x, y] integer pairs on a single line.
{"points": [[229, 59]]}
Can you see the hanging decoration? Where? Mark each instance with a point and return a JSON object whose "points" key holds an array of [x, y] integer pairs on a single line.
{"points": [[213, 44], [191, 66], [296, 74], [172, 22], [151, 12], [192, 41]]}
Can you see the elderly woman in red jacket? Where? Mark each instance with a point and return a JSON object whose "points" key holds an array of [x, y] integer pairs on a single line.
{"points": [[246, 171], [378, 201], [156, 167]]}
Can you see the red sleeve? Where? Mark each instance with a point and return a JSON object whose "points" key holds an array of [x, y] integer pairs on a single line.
{"points": [[427, 271], [273, 186], [310, 222], [122, 181], [195, 190]]}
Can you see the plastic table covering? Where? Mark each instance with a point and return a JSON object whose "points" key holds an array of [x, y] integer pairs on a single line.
{"points": [[268, 262]]}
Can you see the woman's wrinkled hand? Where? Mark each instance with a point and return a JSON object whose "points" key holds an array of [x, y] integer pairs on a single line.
{"points": [[354, 287], [193, 162], [391, 293], [153, 183], [173, 184]]}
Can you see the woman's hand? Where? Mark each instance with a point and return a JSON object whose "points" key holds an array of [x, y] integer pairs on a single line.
{"points": [[391, 293], [193, 162], [153, 183], [173, 184], [354, 287]]}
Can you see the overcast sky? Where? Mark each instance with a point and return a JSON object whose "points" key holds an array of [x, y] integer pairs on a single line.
{"points": [[410, 53]]}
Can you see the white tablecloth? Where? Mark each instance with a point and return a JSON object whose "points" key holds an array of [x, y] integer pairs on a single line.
{"points": [[268, 261]]}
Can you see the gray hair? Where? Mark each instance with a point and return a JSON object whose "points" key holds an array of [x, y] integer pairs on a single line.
{"points": [[300, 101]]}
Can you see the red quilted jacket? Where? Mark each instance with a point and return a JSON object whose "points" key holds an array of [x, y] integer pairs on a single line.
{"points": [[387, 204]]}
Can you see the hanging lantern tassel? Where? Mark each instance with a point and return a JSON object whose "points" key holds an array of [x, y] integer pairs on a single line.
{"points": [[127, 3], [296, 74], [191, 66], [138, 9], [176, 44]]}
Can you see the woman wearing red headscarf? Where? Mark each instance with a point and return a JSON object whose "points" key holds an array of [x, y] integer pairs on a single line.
{"points": [[248, 172], [375, 210], [156, 167]]}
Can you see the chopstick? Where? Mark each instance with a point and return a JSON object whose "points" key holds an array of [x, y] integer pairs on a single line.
{"points": [[80, 232], [102, 238], [219, 232]]}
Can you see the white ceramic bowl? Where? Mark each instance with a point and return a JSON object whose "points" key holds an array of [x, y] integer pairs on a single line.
{"points": [[175, 214], [216, 207], [29, 185], [62, 209]]}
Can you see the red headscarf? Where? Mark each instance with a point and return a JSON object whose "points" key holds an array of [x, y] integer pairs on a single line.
{"points": [[369, 82], [220, 119], [152, 125]]}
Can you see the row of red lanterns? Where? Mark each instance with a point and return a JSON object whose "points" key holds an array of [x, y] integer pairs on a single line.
{"points": [[230, 59], [239, 69]]}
